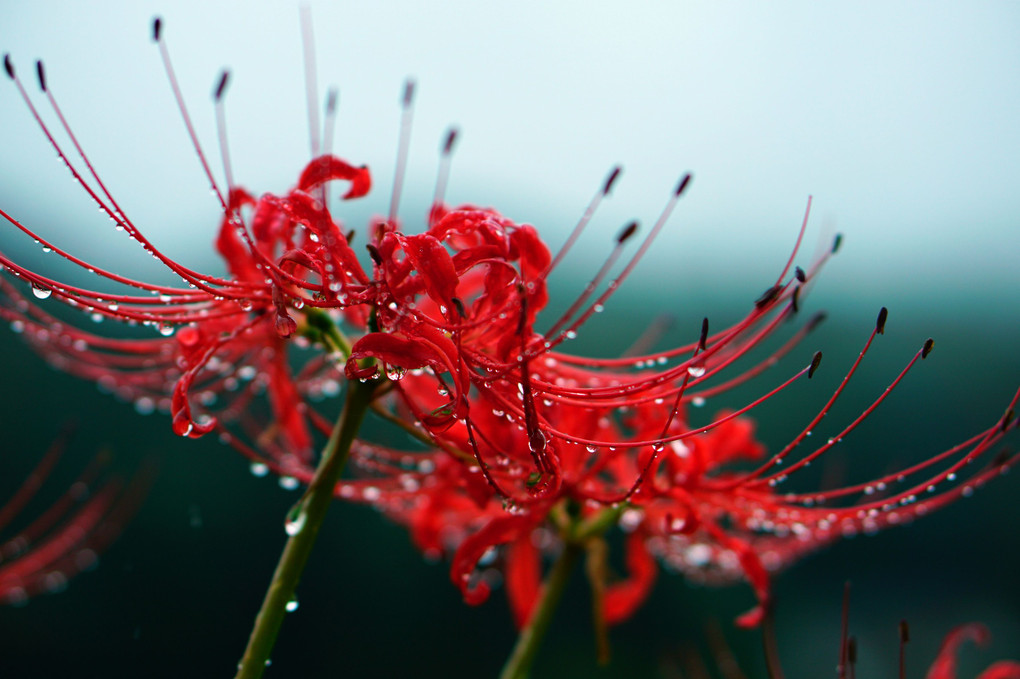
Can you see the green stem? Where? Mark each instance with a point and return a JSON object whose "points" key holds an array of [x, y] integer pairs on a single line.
{"points": [[312, 507], [519, 663]]}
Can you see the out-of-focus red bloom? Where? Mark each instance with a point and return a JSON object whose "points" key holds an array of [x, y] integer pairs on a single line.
{"points": [[944, 666], [68, 537], [528, 444]]}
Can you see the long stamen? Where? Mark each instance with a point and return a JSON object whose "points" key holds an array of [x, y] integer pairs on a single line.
{"points": [[221, 128], [403, 147], [589, 212], [157, 36], [311, 78]]}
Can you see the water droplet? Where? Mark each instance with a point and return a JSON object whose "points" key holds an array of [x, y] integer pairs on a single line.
{"points": [[295, 522], [41, 292], [292, 605], [698, 401], [598, 308], [289, 483], [259, 469], [571, 334], [592, 449], [695, 370], [165, 329]]}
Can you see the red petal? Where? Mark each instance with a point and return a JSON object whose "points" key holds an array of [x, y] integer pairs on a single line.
{"points": [[944, 666], [329, 168], [1004, 669], [496, 532], [623, 598], [523, 578]]}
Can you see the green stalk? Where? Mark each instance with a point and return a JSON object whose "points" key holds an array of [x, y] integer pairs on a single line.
{"points": [[312, 507], [519, 664]]}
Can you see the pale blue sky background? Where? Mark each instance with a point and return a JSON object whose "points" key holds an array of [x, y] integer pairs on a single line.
{"points": [[900, 118]]}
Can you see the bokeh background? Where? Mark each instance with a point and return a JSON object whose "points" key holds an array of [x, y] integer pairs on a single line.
{"points": [[900, 119]]}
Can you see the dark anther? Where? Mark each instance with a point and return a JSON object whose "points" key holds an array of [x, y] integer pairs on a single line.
{"points": [[157, 26], [814, 364], [767, 296], [836, 242], [795, 300], [816, 320], [904, 631], [221, 86], [704, 334], [683, 184], [39, 71], [880, 323], [1001, 458], [408, 93], [451, 139], [614, 174], [350, 236], [800, 275], [331, 98], [8, 66], [1007, 418], [459, 305], [929, 344], [373, 251], [627, 232]]}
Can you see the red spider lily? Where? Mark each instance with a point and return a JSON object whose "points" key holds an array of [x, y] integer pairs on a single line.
{"points": [[552, 434], [526, 441], [69, 536], [229, 333]]}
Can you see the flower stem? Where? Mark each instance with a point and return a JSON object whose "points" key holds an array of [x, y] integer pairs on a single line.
{"points": [[519, 663], [305, 520]]}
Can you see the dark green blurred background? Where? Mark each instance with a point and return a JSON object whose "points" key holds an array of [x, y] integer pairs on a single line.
{"points": [[176, 595]]}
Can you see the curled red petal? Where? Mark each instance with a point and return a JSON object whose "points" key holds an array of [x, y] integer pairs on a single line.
{"points": [[1004, 669], [398, 351], [498, 531], [623, 598], [329, 168], [523, 578], [944, 666], [434, 265]]}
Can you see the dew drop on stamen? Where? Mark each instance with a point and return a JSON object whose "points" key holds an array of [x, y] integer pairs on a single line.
{"points": [[295, 523], [698, 401], [292, 605], [571, 334], [288, 483], [695, 370], [41, 292]]}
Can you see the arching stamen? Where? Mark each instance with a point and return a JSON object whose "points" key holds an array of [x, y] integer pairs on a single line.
{"points": [[796, 247], [445, 158], [403, 147], [157, 36], [221, 128], [329, 124], [311, 86], [589, 212]]}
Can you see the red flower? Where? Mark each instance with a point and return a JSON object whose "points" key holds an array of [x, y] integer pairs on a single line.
{"points": [[69, 536], [550, 432], [222, 340], [528, 445]]}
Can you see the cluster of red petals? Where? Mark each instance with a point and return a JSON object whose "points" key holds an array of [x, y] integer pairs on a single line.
{"points": [[517, 429], [68, 537]]}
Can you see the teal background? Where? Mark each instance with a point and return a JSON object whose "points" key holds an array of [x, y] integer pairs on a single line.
{"points": [[900, 120]]}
